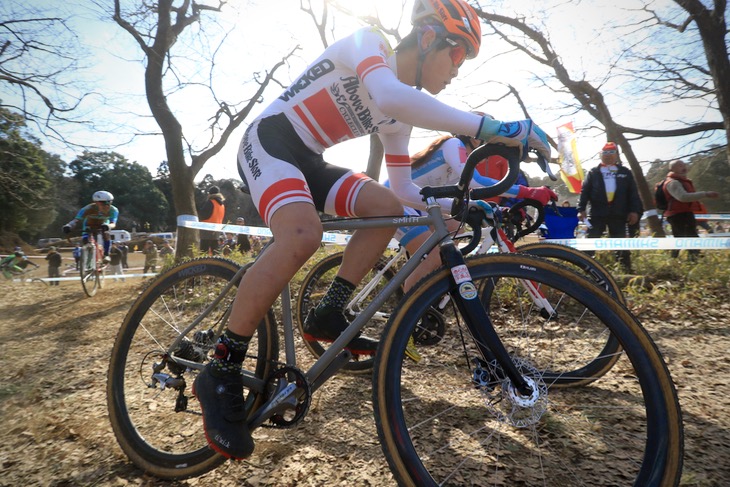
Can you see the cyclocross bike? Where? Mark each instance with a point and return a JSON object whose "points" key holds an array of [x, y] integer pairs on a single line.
{"points": [[494, 403], [504, 226], [92, 265]]}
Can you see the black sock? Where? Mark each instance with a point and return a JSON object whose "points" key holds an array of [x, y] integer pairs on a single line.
{"points": [[229, 353], [336, 298]]}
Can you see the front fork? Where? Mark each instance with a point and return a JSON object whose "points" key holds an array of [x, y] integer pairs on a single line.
{"points": [[466, 297]]}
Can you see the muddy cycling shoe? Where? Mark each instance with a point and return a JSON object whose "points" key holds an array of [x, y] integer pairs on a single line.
{"points": [[224, 417], [328, 327]]}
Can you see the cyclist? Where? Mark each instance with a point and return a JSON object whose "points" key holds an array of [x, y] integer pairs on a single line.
{"points": [[441, 163], [100, 215], [358, 86], [15, 264]]}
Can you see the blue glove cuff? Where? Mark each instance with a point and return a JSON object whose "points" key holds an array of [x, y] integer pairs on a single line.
{"points": [[488, 128], [488, 210]]}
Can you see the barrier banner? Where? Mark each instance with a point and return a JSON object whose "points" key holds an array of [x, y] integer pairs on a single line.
{"points": [[646, 243], [571, 170]]}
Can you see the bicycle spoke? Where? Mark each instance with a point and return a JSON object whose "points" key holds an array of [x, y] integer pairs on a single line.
{"points": [[458, 419]]}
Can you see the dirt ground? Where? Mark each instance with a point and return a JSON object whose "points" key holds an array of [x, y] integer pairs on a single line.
{"points": [[54, 351]]}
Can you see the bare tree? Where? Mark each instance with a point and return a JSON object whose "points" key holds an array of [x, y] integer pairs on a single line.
{"points": [[536, 45], [156, 28], [39, 63], [712, 28]]}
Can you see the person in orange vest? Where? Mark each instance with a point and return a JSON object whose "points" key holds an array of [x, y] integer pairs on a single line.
{"points": [[682, 203], [212, 211]]}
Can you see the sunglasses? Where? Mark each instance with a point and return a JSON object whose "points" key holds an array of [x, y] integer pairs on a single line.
{"points": [[609, 152], [105, 203], [457, 52]]}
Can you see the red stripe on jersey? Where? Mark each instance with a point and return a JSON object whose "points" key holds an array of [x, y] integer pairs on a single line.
{"points": [[396, 160], [312, 129], [345, 198], [328, 118], [282, 190], [369, 65]]}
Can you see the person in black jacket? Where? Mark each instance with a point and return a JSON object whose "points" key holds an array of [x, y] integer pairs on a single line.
{"points": [[614, 200]]}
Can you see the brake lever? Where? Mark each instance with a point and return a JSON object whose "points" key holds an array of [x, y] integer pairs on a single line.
{"points": [[544, 165]]}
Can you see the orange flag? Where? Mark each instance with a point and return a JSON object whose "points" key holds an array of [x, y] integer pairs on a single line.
{"points": [[570, 168]]}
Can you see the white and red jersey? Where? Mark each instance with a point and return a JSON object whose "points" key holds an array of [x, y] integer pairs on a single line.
{"points": [[352, 90]]}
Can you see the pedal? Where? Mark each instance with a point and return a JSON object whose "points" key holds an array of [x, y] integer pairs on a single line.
{"points": [[411, 350]]}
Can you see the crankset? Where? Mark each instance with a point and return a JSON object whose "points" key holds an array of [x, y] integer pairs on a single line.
{"points": [[431, 328], [289, 399]]}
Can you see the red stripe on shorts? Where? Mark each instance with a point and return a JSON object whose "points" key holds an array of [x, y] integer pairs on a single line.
{"points": [[281, 191]]}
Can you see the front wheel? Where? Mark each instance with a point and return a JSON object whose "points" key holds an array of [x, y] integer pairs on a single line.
{"points": [[89, 270], [454, 418], [156, 420]]}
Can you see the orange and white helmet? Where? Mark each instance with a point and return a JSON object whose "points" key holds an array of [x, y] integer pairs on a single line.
{"points": [[458, 18]]}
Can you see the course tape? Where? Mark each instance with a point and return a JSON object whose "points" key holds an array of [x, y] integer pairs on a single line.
{"points": [[703, 216], [327, 237], [643, 243], [76, 278], [713, 216]]}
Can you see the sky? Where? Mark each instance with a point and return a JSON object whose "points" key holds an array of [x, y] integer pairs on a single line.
{"points": [[259, 33]]}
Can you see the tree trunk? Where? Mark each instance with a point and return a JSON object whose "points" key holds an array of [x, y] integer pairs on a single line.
{"points": [[713, 29], [375, 160]]}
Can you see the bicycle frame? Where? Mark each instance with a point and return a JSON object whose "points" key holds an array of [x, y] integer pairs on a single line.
{"points": [[355, 304], [336, 356]]}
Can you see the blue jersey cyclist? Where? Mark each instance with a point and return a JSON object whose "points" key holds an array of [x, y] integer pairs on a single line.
{"points": [[358, 86], [440, 164], [99, 216]]}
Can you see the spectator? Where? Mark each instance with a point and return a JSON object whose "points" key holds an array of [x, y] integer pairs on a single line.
{"points": [[222, 248], [243, 244], [682, 203], [212, 211], [77, 257], [125, 253], [115, 261], [610, 189], [150, 257], [167, 249], [54, 265]]}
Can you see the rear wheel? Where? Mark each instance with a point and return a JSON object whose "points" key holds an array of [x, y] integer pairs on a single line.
{"points": [[454, 419], [583, 264], [315, 285], [155, 419], [606, 346]]}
